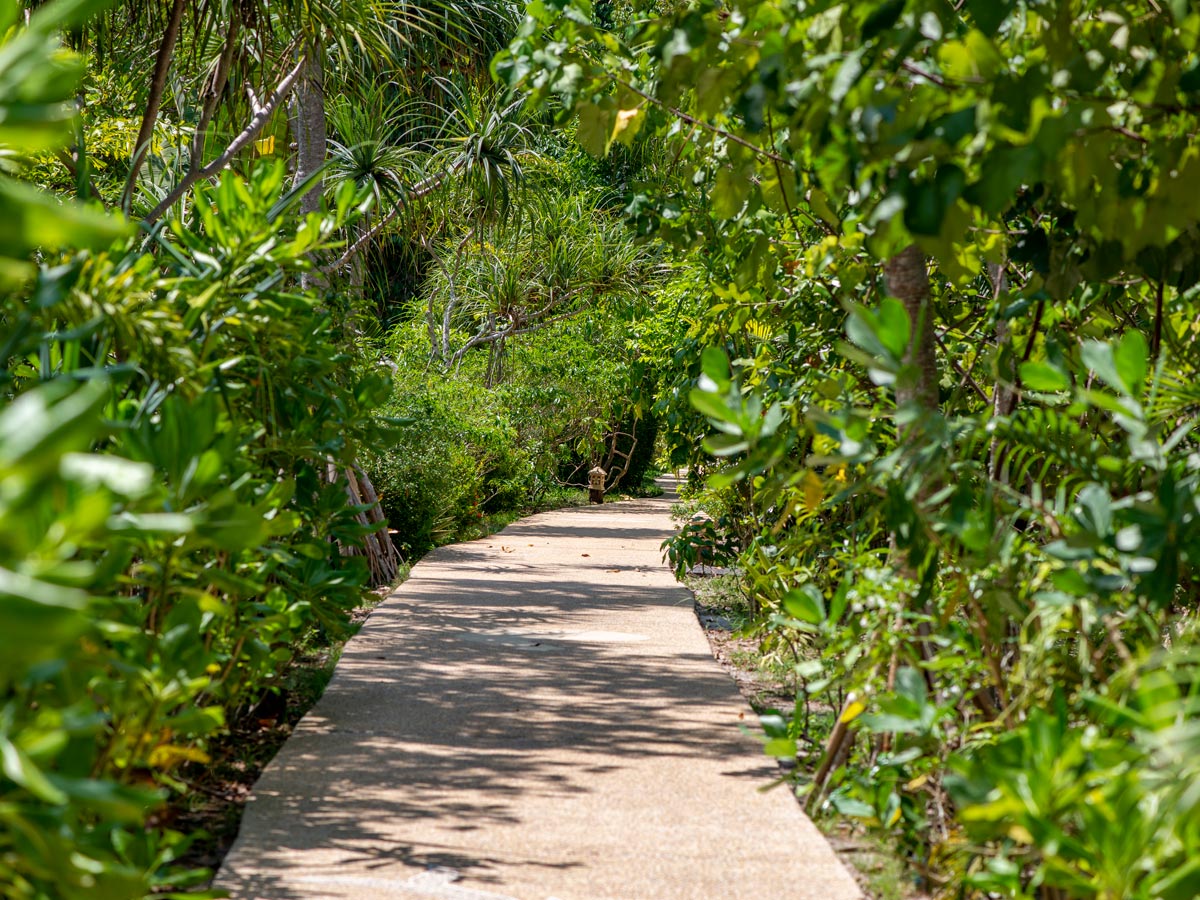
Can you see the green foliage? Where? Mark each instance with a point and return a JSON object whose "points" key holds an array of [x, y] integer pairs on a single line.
{"points": [[994, 558], [37, 85], [194, 553], [170, 535], [458, 460], [519, 361]]}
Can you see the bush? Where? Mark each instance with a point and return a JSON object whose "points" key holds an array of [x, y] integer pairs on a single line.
{"points": [[170, 533], [457, 459]]}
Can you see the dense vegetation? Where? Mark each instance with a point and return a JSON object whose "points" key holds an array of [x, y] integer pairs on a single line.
{"points": [[197, 393], [909, 285], [944, 330]]}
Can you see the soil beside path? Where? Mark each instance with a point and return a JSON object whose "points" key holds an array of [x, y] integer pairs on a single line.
{"points": [[534, 715]]}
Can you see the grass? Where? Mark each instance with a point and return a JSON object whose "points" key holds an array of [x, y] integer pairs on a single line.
{"points": [[562, 498], [721, 595], [881, 874]]}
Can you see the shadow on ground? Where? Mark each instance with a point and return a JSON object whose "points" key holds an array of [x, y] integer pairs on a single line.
{"points": [[494, 715]]}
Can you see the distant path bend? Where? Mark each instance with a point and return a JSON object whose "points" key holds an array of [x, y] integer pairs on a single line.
{"points": [[531, 716]]}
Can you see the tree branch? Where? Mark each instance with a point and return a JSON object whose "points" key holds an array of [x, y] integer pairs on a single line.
{"points": [[490, 338], [928, 76], [422, 189], [158, 84], [216, 87], [257, 121], [675, 111]]}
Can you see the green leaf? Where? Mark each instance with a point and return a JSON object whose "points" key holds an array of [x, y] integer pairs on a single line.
{"points": [[782, 748], [989, 14], [893, 327], [121, 476], [21, 770], [1094, 510], [726, 444], [1098, 356], [36, 616], [65, 13], [882, 17], [847, 76], [1042, 376], [927, 203], [806, 604], [714, 364], [712, 405], [730, 189], [1181, 883], [595, 129], [884, 333], [851, 806], [972, 58], [910, 684], [1131, 358], [890, 723], [122, 803], [31, 219]]}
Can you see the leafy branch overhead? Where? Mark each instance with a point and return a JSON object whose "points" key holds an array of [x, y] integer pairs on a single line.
{"points": [[943, 315]]}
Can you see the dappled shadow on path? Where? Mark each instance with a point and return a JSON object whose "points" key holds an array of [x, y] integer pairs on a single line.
{"points": [[482, 694]]}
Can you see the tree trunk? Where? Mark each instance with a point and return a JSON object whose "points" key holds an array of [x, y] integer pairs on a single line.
{"points": [[158, 84], [213, 92], [908, 281], [308, 124]]}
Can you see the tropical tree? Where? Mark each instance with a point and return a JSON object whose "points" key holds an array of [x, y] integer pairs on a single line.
{"points": [[949, 269]]}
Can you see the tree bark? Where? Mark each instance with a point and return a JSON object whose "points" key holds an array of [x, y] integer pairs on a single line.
{"points": [[907, 280], [311, 132], [308, 124], [158, 84]]}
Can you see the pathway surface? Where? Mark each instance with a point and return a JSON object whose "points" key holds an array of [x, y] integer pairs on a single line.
{"points": [[532, 716]]}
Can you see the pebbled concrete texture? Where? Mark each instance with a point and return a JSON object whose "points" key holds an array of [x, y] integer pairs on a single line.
{"points": [[532, 716]]}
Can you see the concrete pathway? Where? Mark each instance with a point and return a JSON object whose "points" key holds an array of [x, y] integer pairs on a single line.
{"points": [[532, 716]]}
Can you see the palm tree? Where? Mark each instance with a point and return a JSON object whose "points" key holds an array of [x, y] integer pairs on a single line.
{"points": [[297, 52]]}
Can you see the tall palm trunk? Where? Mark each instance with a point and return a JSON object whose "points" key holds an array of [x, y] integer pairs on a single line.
{"points": [[308, 123], [309, 128]]}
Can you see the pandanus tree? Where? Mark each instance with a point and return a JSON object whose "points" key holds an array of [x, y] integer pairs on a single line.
{"points": [[235, 81], [225, 74]]}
